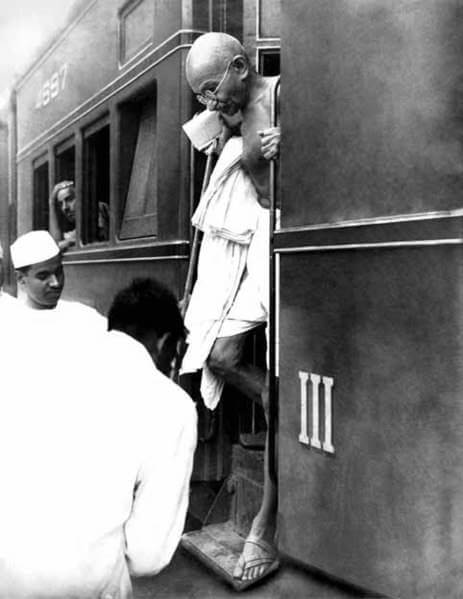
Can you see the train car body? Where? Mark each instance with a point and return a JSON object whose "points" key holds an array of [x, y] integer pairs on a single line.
{"points": [[370, 263], [367, 254]]}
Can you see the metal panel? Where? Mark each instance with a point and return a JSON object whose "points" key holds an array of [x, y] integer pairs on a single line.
{"points": [[370, 327], [384, 508], [371, 108], [96, 282]]}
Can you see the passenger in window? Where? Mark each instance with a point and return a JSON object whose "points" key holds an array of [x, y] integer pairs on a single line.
{"points": [[63, 216], [100, 448], [231, 294]]}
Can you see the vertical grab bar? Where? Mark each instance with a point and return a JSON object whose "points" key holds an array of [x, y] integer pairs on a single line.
{"points": [[272, 378]]}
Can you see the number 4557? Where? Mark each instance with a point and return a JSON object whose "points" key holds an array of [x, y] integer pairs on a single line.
{"points": [[52, 87]]}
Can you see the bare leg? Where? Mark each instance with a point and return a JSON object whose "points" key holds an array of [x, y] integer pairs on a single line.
{"points": [[263, 526], [225, 361]]}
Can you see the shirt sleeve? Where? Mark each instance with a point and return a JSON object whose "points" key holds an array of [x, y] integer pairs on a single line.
{"points": [[156, 523]]}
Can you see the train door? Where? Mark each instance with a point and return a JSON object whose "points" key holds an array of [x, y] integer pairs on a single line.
{"points": [[370, 282], [228, 474]]}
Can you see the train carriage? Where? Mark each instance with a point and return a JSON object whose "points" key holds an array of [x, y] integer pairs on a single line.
{"points": [[366, 255], [103, 106]]}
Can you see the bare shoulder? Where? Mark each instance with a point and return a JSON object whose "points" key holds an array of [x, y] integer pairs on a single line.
{"points": [[261, 104]]}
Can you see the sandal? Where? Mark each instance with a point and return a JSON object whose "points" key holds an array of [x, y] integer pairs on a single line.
{"points": [[269, 561]]}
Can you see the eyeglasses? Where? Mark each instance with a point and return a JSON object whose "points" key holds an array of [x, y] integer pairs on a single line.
{"points": [[209, 98]]}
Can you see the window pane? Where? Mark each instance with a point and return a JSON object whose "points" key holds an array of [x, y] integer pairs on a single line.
{"points": [[137, 23], [140, 212], [96, 187], [270, 17], [41, 192], [269, 62]]}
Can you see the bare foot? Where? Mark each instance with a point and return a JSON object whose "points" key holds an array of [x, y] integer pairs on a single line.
{"points": [[257, 560]]}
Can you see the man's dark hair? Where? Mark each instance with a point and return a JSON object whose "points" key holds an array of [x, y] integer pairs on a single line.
{"points": [[146, 305]]}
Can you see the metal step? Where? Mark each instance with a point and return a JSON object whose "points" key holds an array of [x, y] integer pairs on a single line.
{"points": [[218, 546], [219, 543]]}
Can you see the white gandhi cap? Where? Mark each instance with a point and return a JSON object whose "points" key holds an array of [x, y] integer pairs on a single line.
{"points": [[32, 248]]}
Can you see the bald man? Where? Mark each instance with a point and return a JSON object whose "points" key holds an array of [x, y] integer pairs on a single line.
{"points": [[220, 73], [232, 285]]}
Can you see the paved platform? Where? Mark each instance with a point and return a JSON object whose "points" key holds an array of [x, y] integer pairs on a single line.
{"points": [[187, 578]]}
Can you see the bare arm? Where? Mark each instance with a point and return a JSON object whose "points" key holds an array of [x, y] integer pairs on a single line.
{"points": [[55, 230], [270, 138]]}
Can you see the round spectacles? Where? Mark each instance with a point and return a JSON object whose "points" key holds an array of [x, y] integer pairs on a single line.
{"points": [[209, 98]]}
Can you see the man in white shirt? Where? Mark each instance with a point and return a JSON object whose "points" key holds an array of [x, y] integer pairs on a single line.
{"points": [[39, 269], [96, 480]]}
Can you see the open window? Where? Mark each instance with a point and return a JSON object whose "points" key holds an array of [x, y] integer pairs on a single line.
{"points": [[41, 191], [268, 61], [138, 172], [96, 196]]}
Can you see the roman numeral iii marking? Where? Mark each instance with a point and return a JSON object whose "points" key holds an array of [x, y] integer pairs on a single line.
{"points": [[311, 417]]}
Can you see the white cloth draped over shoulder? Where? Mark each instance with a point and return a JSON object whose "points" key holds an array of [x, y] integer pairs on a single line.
{"points": [[230, 295]]}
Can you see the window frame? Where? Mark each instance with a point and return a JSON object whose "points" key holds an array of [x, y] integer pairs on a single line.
{"points": [[131, 111], [126, 9], [261, 51], [40, 210]]}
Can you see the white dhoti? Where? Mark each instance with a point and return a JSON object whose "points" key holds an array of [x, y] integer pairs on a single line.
{"points": [[231, 291]]}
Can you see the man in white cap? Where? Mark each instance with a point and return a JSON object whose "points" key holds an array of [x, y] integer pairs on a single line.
{"points": [[37, 260]]}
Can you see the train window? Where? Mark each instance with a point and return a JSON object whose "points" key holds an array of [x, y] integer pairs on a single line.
{"points": [[136, 27], [268, 19], [269, 61], [138, 168], [65, 161], [95, 204], [41, 192], [227, 15]]}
